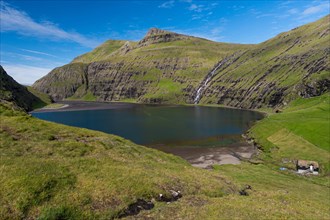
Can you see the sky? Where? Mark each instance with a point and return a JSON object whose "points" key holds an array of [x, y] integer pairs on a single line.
{"points": [[39, 35]]}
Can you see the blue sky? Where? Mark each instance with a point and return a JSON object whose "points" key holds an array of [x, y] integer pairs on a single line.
{"points": [[37, 36]]}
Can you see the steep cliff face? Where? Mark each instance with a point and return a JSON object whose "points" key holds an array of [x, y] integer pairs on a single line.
{"points": [[166, 67], [162, 67], [64, 81], [294, 63], [11, 91]]}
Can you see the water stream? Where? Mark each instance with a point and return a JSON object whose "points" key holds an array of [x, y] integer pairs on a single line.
{"points": [[206, 81]]}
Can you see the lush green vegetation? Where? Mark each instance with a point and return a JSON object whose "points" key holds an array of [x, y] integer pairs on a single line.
{"points": [[54, 106], [301, 131], [82, 95], [275, 194], [44, 98], [54, 171], [273, 73], [49, 170], [112, 73], [102, 52], [276, 71]]}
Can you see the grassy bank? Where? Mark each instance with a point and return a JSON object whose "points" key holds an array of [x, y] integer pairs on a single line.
{"points": [[301, 131], [52, 171], [49, 170]]}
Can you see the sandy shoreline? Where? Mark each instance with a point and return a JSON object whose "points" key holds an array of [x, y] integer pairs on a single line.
{"points": [[204, 157], [85, 105]]}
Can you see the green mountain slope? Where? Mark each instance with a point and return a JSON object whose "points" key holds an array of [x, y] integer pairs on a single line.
{"points": [[291, 65], [162, 67], [103, 52], [166, 67], [12, 91]]}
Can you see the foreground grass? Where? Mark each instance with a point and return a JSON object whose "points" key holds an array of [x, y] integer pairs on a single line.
{"points": [[301, 131], [274, 195], [54, 171]]}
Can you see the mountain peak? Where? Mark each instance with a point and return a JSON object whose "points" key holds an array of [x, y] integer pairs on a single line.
{"points": [[155, 31], [155, 35]]}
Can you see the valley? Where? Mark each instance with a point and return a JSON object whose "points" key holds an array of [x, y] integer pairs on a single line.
{"points": [[181, 85]]}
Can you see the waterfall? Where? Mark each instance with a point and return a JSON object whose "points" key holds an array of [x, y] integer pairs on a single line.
{"points": [[205, 82], [228, 61]]}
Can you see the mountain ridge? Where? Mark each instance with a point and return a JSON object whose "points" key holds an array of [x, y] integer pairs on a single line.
{"points": [[166, 67]]}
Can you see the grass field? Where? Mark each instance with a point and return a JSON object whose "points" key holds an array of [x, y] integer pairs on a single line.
{"points": [[301, 131], [54, 171]]}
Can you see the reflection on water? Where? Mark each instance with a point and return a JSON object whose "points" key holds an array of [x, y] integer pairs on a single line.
{"points": [[156, 124]]}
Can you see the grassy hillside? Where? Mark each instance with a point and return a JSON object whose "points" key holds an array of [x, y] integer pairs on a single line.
{"points": [[54, 171], [162, 67], [45, 99], [166, 67], [301, 131], [12, 91], [102, 52], [291, 65]]}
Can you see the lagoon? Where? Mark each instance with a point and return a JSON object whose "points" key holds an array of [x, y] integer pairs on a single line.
{"points": [[172, 128]]}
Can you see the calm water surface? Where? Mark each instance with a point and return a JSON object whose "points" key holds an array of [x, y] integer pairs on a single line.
{"points": [[156, 124]]}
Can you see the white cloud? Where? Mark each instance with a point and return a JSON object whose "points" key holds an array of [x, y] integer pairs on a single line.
{"points": [[25, 74], [38, 52], [29, 58], [168, 4], [316, 9], [196, 17], [293, 11], [196, 8], [264, 15], [284, 4], [22, 23]]}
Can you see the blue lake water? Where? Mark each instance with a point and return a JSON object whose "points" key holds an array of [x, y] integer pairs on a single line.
{"points": [[156, 124]]}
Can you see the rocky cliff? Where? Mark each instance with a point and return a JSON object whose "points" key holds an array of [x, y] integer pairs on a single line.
{"points": [[166, 67]]}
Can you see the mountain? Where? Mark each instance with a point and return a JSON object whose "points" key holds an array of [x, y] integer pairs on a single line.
{"points": [[166, 67], [11, 91], [291, 65], [162, 67], [53, 171]]}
